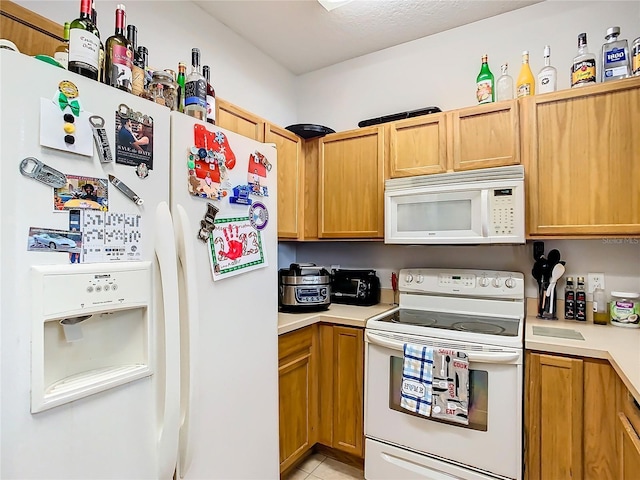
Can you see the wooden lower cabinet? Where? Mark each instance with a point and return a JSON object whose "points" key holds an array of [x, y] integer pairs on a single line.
{"points": [[341, 389], [629, 449], [297, 375], [570, 418]]}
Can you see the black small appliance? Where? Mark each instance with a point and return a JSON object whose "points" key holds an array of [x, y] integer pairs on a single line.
{"points": [[355, 287]]}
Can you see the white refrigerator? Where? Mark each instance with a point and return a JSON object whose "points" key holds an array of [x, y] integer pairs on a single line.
{"points": [[121, 357]]}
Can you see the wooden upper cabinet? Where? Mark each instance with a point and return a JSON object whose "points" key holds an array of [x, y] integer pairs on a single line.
{"points": [[485, 136], [351, 184], [418, 146], [582, 158], [33, 34], [239, 120], [290, 180]]}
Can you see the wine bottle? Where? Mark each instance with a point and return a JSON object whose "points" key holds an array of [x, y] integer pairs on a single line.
{"points": [[485, 91], [195, 89], [182, 69], [211, 96], [118, 61], [62, 51], [525, 85], [84, 43], [94, 19], [137, 69]]}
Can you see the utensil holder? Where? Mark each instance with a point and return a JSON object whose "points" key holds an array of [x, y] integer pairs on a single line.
{"points": [[547, 304]]}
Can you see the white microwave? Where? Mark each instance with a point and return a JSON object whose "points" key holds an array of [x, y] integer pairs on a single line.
{"points": [[473, 207]]}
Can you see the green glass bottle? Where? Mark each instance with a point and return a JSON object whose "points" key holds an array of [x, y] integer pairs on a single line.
{"points": [[485, 84], [182, 68]]}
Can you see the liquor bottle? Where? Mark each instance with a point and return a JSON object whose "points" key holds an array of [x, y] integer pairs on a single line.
{"points": [[635, 52], [525, 84], [137, 68], [62, 51], [118, 61], [84, 43], [583, 70], [548, 76], [182, 69], [195, 89], [615, 56], [211, 96], [581, 301], [600, 311], [484, 83], [101, 55], [569, 300], [504, 85]]}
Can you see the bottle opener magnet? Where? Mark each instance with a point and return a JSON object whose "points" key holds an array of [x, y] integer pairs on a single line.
{"points": [[206, 224], [34, 168], [130, 194], [100, 138]]}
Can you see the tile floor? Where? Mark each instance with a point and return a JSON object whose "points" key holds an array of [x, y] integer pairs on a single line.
{"points": [[319, 467]]}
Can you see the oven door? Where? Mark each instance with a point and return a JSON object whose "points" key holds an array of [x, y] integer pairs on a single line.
{"points": [[492, 442]]}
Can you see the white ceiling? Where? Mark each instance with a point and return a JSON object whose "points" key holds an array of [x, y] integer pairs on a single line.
{"points": [[302, 36]]}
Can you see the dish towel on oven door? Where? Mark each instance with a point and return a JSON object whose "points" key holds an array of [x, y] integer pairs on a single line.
{"points": [[417, 374], [450, 386]]}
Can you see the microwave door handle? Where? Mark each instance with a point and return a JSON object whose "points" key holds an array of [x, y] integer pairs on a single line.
{"points": [[484, 209], [477, 357]]}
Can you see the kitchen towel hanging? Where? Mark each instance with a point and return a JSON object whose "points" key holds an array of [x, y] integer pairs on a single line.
{"points": [[451, 386], [417, 375]]}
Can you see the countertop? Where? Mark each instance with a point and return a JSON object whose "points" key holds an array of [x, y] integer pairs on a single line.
{"points": [[349, 315], [621, 346]]}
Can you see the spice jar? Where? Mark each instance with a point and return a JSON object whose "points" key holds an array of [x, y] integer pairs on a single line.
{"points": [[163, 89], [624, 309]]}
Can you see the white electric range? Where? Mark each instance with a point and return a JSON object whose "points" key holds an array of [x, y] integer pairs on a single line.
{"points": [[477, 312]]}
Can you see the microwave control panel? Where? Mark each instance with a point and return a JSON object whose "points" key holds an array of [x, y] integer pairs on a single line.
{"points": [[502, 211]]}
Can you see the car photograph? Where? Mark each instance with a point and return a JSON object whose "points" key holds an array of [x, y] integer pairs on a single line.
{"points": [[54, 241]]}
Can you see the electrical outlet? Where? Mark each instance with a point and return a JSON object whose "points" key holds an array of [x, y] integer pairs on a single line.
{"points": [[335, 267], [594, 279]]}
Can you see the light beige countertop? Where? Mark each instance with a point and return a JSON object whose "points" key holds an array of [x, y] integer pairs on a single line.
{"points": [[349, 315], [621, 346]]}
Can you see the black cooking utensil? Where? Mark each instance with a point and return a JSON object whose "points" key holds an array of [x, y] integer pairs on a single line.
{"points": [[448, 359]]}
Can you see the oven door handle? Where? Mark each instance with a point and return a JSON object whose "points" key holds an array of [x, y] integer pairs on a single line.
{"points": [[478, 357]]}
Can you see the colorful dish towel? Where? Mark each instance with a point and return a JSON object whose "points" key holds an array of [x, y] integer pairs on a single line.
{"points": [[417, 374], [450, 386]]}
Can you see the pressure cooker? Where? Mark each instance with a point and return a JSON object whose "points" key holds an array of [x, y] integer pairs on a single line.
{"points": [[303, 287]]}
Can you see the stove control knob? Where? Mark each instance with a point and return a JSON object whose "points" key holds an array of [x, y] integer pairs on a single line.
{"points": [[483, 282], [419, 279], [408, 278], [497, 282], [510, 282]]}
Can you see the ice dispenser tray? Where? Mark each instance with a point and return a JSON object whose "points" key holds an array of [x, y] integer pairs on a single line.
{"points": [[91, 330]]}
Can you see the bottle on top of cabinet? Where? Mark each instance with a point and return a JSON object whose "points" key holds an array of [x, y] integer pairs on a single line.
{"points": [[581, 301], [615, 56], [526, 84], [635, 57], [504, 85], [484, 83], [583, 70], [548, 76], [569, 300]]}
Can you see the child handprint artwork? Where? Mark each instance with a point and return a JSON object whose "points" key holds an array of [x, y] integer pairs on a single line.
{"points": [[236, 247]]}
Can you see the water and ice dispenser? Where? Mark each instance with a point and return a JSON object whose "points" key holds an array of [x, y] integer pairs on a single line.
{"points": [[91, 330]]}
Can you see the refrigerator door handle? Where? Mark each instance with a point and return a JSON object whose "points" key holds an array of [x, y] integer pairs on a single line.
{"points": [[189, 334], [169, 427]]}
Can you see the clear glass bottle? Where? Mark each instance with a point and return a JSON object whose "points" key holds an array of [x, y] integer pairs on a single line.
{"points": [[525, 84], [211, 96], [600, 310], [119, 55], [84, 44], [615, 56], [195, 89], [548, 76], [484, 83], [583, 70], [504, 85], [635, 57], [62, 51]]}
